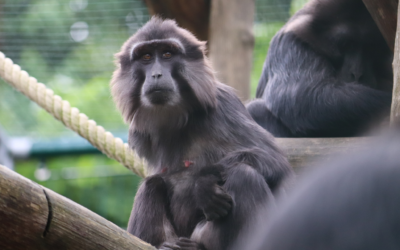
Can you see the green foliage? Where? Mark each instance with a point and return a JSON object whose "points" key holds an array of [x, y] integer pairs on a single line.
{"points": [[297, 5], [263, 34], [96, 182], [37, 35]]}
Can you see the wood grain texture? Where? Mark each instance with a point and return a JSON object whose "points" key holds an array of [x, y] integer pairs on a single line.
{"points": [[23, 212], [231, 43], [30, 220], [395, 109], [384, 13]]}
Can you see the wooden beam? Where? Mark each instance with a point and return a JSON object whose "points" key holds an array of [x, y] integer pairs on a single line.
{"points": [[395, 110], [34, 217], [384, 13], [231, 43], [31, 215], [302, 152]]}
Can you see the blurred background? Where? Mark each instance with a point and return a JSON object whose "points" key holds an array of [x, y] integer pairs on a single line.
{"points": [[69, 46]]}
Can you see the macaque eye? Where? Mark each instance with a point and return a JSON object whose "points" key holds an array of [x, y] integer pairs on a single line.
{"points": [[167, 55], [146, 57]]}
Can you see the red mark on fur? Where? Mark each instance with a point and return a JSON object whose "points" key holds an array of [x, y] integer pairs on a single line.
{"points": [[164, 170], [188, 163]]}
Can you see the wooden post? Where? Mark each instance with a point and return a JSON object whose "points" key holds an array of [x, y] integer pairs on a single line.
{"points": [[384, 13], [231, 43], [193, 15], [34, 217], [395, 111]]}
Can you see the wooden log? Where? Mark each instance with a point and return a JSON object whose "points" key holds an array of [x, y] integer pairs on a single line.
{"points": [[384, 13], [23, 211], [231, 43], [302, 152], [193, 15], [34, 217], [395, 110]]}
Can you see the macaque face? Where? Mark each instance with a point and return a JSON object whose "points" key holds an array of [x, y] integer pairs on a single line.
{"points": [[156, 60]]}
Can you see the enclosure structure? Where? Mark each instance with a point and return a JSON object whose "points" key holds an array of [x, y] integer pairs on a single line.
{"points": [[46, 206]]}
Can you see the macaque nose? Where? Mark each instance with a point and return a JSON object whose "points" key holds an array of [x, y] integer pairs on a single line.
{"points": [[156, 75]]}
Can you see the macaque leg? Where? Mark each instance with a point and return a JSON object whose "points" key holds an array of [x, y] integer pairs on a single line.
{"points": [[150, 216]]}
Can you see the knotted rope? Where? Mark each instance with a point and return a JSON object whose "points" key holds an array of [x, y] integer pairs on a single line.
{"points": [[70, 116]]}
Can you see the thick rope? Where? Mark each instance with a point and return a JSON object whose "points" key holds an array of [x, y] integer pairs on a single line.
{"points": [[70, 117]]}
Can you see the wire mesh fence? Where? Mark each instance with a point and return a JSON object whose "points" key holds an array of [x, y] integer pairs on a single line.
{"points": [[69, 46]]}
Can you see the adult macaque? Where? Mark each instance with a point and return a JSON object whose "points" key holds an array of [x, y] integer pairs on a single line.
{"points": [[328, 73], [211, 167]]}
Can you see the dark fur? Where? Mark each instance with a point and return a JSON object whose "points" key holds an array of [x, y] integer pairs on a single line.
{"points": [[328, 73], [351, 204], [236, 167]]}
